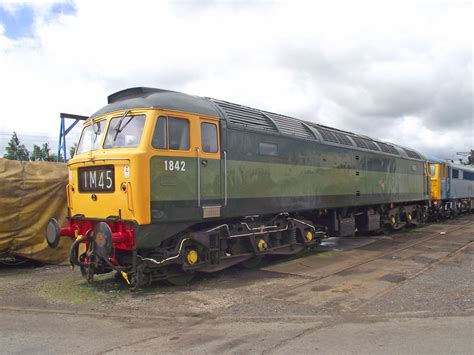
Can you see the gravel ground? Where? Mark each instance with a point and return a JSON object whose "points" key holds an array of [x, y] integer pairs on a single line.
{"points": [[365, 296]]}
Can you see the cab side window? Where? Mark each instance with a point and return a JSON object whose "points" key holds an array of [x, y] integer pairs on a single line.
{"points": [[265, 148], [209, 137], [159, 137], [171, 133]]}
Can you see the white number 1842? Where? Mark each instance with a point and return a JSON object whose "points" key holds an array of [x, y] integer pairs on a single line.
{"points": [[175, 165]]}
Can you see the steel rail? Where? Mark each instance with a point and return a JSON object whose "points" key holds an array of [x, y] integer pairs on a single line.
{"points": [[316, 279]]}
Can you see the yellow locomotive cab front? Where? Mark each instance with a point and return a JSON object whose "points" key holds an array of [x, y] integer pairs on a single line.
{"points": [[436, 172], [108, 171]]}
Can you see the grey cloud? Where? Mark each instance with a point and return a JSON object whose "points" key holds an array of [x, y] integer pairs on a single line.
{"points": [[172, 79], [372, 101]]}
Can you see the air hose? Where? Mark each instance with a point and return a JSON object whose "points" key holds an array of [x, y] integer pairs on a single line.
{"points": [[74, 252]]}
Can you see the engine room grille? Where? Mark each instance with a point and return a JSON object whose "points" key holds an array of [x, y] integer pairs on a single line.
{"points": [[245, 116], [271, 122], [412, 154], [328, 136], [290, 125], [387, 148], [365, 143], [360, 142], [372, 145], [342, 138]]}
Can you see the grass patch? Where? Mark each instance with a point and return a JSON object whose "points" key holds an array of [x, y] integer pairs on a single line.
{"points": [[76, 291]]}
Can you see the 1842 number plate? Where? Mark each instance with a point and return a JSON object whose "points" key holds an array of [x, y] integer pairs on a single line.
{"points": [[96, 179]]}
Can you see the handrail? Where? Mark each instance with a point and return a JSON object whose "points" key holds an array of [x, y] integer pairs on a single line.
{"points": [[129, 196], [225, 178], [93, 160], [198, 176]]}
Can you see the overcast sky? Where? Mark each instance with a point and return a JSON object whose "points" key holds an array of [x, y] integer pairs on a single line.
{"points": [[398, 71]]}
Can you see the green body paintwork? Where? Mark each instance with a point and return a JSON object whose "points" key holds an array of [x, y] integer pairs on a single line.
{"points": [[247, 180], [178, 185], [308, 176]]}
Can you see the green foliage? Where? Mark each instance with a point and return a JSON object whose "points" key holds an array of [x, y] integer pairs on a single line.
{"points": [[37, 153], [15, 150], [42, 153], [54, 157], [72, 150]]}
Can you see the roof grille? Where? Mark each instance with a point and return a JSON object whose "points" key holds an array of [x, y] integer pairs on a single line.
{"points": [[245, 116], [334, 137], [328, 136], [342, 138], [365, 143], [387, 148], [272, 122], [372, 145], [412, 154], [360, 142], [289, 125]]}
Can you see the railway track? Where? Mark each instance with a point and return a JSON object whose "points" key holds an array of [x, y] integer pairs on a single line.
{"points": [[354, 278], [349, 279]]}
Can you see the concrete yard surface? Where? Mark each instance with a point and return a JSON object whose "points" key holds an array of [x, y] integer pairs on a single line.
{"points": [[410, 292]]}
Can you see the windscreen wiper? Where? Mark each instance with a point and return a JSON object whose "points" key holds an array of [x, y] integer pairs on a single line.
{"points": [[95, 131], [119, 127]]}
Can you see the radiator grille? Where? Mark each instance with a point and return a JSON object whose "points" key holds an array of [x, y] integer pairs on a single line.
{"points": [[412, 154], [387, 148]]}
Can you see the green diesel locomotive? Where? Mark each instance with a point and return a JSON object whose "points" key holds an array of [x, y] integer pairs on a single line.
{"points": [[165, 184]]}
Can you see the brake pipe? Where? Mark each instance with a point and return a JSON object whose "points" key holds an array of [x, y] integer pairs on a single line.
{"points": [[167, 259]]}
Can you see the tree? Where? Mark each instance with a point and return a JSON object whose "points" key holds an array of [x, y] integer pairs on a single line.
{"points": [[54, 157], [15, 150], [72, 150], [37, 153], [42, 153]]}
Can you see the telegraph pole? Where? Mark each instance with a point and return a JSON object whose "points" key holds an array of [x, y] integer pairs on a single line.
{"points": [[470, 156]]}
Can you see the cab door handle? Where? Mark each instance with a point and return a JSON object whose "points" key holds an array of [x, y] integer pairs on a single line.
{"points": [[204, 162]]}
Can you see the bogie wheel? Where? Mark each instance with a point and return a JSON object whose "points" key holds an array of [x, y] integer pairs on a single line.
{"points": [[138, 278], [396, 223], [176, 276], [136, 281]]}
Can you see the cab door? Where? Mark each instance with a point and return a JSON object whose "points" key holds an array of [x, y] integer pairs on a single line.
{"points": [[448, 182], [427, 180], [444, 181], [209, 168], [173, 169]]}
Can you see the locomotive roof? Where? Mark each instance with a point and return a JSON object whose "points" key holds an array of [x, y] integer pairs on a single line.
{"points": [[141, 97], [451, 163], [248, 118]]}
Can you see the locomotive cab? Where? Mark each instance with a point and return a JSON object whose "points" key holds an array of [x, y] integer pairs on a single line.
{"points": [[451, 188], [136, 169], [109, 154]]}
